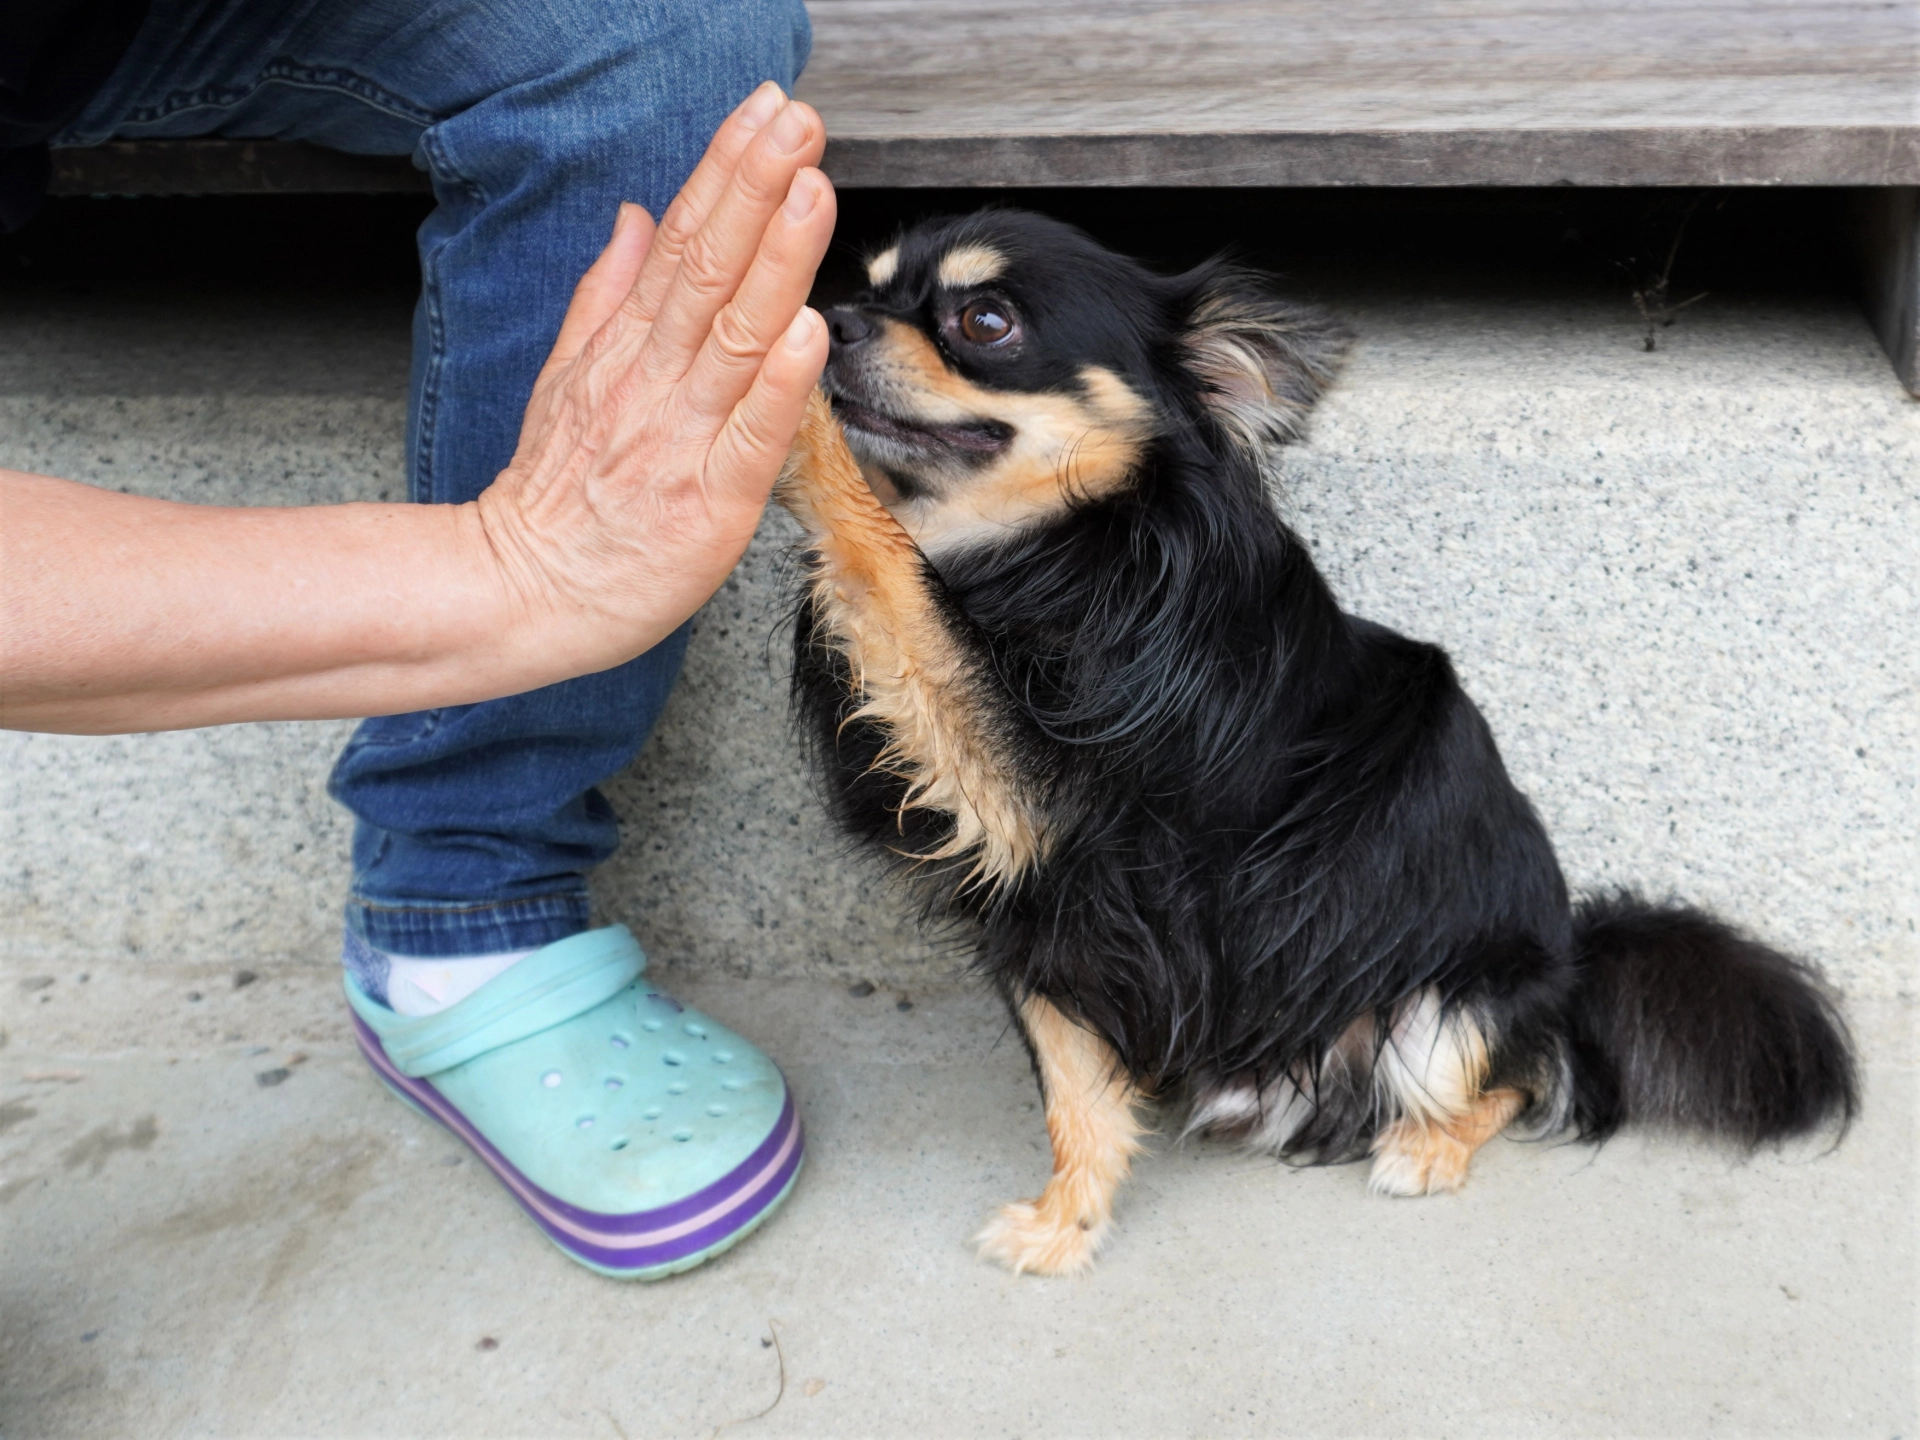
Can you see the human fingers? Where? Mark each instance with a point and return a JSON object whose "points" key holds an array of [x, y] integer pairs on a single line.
{"points": [[700, 194], [775, 287], [747, 454], [606, 284], [716, 258]]}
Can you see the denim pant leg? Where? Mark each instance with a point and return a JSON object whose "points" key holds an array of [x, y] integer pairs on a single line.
{"points": [[535, 118]]}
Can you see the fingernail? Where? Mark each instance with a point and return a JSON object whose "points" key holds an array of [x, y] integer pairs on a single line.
{"points": [[762, 105], [623, 217], [789, 132], [802, 196], [800, 333]]}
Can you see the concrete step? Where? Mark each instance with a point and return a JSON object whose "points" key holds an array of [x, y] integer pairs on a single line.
{"points": [[1680, 584]]}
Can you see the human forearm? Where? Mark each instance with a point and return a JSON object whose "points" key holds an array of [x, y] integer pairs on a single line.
{"points": [[124, 613]]}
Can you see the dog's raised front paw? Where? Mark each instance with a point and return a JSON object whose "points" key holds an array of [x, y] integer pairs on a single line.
{"points": [[1032, 1238]]}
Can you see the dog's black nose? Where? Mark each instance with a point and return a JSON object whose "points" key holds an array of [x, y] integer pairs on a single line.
{"points": [[847, 328]]}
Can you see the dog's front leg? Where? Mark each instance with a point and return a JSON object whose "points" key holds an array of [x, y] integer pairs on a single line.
{"points": [[1095, 1132], [821, 486], [874, 593]]}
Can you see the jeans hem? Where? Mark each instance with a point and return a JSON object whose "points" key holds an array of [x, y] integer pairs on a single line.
{"points": [[427, 930]]}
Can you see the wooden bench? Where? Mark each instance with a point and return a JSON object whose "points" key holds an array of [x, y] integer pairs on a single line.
{"points": [[1301, 93]]}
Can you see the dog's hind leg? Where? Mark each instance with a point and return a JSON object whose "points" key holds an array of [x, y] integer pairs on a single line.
{"points": [[1095, 1132], [1430, 1078], [1419, 1157]]}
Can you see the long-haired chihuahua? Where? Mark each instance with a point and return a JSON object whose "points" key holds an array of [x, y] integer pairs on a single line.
{"points": [[1220, 842]]}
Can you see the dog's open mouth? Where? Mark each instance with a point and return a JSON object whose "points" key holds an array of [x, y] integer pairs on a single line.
{"points": [[966, 437]]}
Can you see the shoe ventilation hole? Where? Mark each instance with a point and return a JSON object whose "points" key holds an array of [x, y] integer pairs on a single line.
{"points": [[683, 1135], [619, 1042], [550, 1079], [619, 1144], [678, 1087], [585, 1122], [673, 1057], [731, 1084], [698, 1032], [614, 1082], [722, 1057], [649, 1025], [652, 1112], [714, 1110]]}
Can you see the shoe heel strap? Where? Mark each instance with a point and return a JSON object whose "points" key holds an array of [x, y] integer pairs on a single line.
{"points": [[548, 988]]}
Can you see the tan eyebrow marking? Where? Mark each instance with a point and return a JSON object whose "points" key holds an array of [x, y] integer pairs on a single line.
{"points": [[971, 265], [881, 268]]}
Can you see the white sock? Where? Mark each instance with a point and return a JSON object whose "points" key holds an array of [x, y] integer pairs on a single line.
{"points": [[418, 986]]}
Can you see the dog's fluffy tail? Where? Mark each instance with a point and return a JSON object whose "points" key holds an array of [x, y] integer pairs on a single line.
{"points": [[1682, 1021]]}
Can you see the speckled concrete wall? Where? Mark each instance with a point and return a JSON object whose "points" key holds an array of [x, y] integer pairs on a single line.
{"points": [[1681, 585]]}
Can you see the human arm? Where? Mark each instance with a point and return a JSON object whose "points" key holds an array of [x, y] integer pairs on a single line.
{"points": [[655, 431]]}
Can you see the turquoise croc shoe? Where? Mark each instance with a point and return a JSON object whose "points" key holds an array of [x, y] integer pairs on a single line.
{"points": [[640, 1136]]}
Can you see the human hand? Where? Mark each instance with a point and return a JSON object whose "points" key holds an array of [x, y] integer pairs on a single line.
{"points": [[659, 423], [655, 431]]}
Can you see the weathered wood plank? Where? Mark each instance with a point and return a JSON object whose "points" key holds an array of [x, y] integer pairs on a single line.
{"points": [[1786, 155], [941, 67], [1382, 92]]}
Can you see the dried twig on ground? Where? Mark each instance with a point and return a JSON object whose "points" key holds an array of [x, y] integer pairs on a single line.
{"points": [[779, 1395]]}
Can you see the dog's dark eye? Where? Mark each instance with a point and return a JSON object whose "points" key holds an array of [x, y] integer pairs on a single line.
{"points": [[986, 322]]}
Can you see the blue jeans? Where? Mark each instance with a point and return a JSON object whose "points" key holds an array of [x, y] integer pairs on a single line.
{"points": [[535, 118]]}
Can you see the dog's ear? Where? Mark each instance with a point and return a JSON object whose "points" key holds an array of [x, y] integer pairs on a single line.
{"points": [[1261, 361]]}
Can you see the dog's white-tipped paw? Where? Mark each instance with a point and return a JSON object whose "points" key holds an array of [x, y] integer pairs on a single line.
{"points": [[1411, 1160], [1030, 1239]]}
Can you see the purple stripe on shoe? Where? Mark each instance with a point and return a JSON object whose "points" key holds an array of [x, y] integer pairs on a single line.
{"points": [[693, 1241], [642, 1238]]}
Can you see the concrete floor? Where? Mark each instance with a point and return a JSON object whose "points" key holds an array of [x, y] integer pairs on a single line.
{"points": [[188, 1252]]}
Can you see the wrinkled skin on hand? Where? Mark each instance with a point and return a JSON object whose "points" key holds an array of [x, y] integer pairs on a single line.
{"points": [[659, 424]]}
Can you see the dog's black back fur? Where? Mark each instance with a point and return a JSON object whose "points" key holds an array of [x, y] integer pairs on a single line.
{"points": [[1272, 818]]}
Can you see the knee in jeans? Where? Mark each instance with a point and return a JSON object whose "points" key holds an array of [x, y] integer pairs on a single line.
{"points": [[642, 47]]}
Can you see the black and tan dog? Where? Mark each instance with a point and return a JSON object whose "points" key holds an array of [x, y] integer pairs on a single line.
{"points": [[1219, 840]]}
